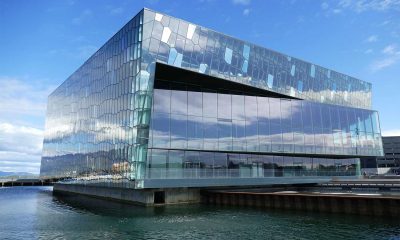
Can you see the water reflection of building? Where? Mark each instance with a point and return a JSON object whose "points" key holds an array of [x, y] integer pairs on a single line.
{"points": [[167, 103]]}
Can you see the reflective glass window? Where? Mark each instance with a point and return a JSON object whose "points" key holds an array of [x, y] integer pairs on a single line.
{"points": [[224, 106], [178, 131], [263, 108], [312, 70], [206, 160], [161, 100], [209, 104], [270, 81], [195, 103], [368, 122], [190, 32], [228, 55], [175, 164], [158, 165], [165, 34], [160, 130], [246, 51], [224, 135], [251, 107], [210, 133], [178, 102], [293, 70], [286, 113], [238, 107], [300, 86], [252, 135], [195, 132], [316, 115]]}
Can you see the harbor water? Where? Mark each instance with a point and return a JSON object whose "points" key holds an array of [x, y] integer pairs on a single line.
{"points": [[34, 213]]}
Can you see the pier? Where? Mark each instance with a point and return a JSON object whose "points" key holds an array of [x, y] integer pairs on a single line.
{"points": [[25, 182]]}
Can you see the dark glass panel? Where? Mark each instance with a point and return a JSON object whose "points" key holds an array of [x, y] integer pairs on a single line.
{"points": [[195, 103], [178, 102], [178, 131], [160, 130], [209, 104], [161, 100]]}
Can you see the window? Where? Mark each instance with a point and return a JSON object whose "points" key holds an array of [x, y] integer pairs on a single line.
{"points": [[178, 131], [179, 102], [190, 32], [209, 104], [312, 71], [293, 70], [165, 34], [300, 86], [270, 80], [228, 55], [224, 106]]}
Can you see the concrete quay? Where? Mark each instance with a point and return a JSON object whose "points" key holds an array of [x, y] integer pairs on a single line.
{"points": [[373, 204]]}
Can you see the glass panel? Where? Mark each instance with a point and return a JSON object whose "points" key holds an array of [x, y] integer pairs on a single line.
{"points": [[195, 132], [224, 135], [165, 34], [195, 103], [228, 55], [190, 32], [175, 164], [238, 133], [178, 131], [158, 164], [252, 135], [206, 164], [251, 108], [178, 102], [246, 51], [210, 133], [220, 165], [270, 81], [300, 86], [209, 104], [293, 70], [161, 100], [238, 107], [224, 106], [160, 130], [312, 71]]}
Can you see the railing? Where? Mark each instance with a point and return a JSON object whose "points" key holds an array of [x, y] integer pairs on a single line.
{"points": [[240, 173]]}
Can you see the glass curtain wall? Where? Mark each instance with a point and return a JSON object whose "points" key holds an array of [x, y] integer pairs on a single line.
{"points": [[213, 121], [93, 128]]}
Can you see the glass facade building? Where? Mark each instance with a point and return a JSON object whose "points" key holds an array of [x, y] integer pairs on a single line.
{"points": [[169, 103]]}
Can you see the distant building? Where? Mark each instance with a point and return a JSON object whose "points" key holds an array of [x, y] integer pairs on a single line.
{"points": [[391, 157], [166, 103]]}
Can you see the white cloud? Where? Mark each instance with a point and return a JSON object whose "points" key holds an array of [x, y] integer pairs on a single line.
{"points": [[20, 97], [368, 51], [370, 5], [390, 49], [372, 38], [324, 5], [116, 11], [383, 63], [83, 16], [22, 102], [19, 162], [391, 57], [20, 148], [391, 132], [336, 11], [246, 12], [241, 2]]}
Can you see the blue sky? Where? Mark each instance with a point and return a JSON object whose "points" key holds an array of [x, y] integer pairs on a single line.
{"points": [[42, 42]]}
